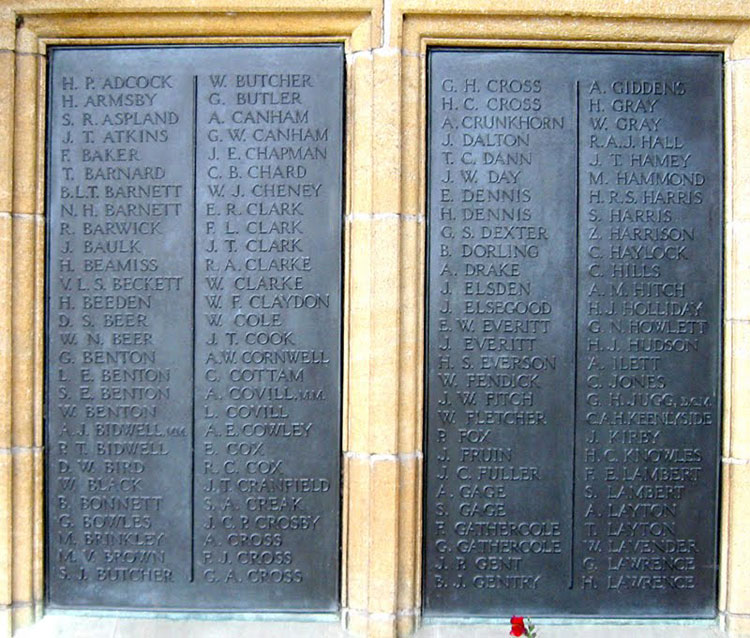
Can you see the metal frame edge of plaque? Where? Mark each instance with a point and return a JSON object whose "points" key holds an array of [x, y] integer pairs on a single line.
{"points": [[451, 573], [234, 567]]}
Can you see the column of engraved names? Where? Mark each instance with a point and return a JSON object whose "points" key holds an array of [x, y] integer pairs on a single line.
{"points": [[267, 317], [114, 200], [648, 406], [497, 337]]}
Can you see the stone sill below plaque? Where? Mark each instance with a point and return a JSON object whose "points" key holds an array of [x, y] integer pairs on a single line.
{"points": [[114, 625]]}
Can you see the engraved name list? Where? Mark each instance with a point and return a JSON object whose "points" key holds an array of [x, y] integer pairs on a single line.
{"points": [[574, 333], [194, 311]]}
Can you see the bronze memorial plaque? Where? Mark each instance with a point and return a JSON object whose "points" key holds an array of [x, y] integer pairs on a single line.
{"points": [[194, 198], [574, 333]]}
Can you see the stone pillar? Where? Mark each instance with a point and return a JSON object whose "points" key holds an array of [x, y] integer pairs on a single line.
{"points": [[382, 413], [22, 331], [735, 506]]}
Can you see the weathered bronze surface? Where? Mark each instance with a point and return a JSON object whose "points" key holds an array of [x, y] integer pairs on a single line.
{"points": [[194, 327], [574, 333]]}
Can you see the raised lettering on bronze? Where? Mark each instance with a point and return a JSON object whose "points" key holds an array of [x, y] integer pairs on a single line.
{"points": [[194, 312], [574, 332]]}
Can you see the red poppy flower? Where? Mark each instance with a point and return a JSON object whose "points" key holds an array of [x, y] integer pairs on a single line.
{"points": [[517, 628]]}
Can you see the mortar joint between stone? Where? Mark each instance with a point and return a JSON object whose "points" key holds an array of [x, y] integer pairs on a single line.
{"points": [[385, 50], [731, 460], [18, 605], [32, 216], [401, 613], [728, 614], [31, 53], [21, 449], [736, 62], [375, 457], [385, 215]]}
